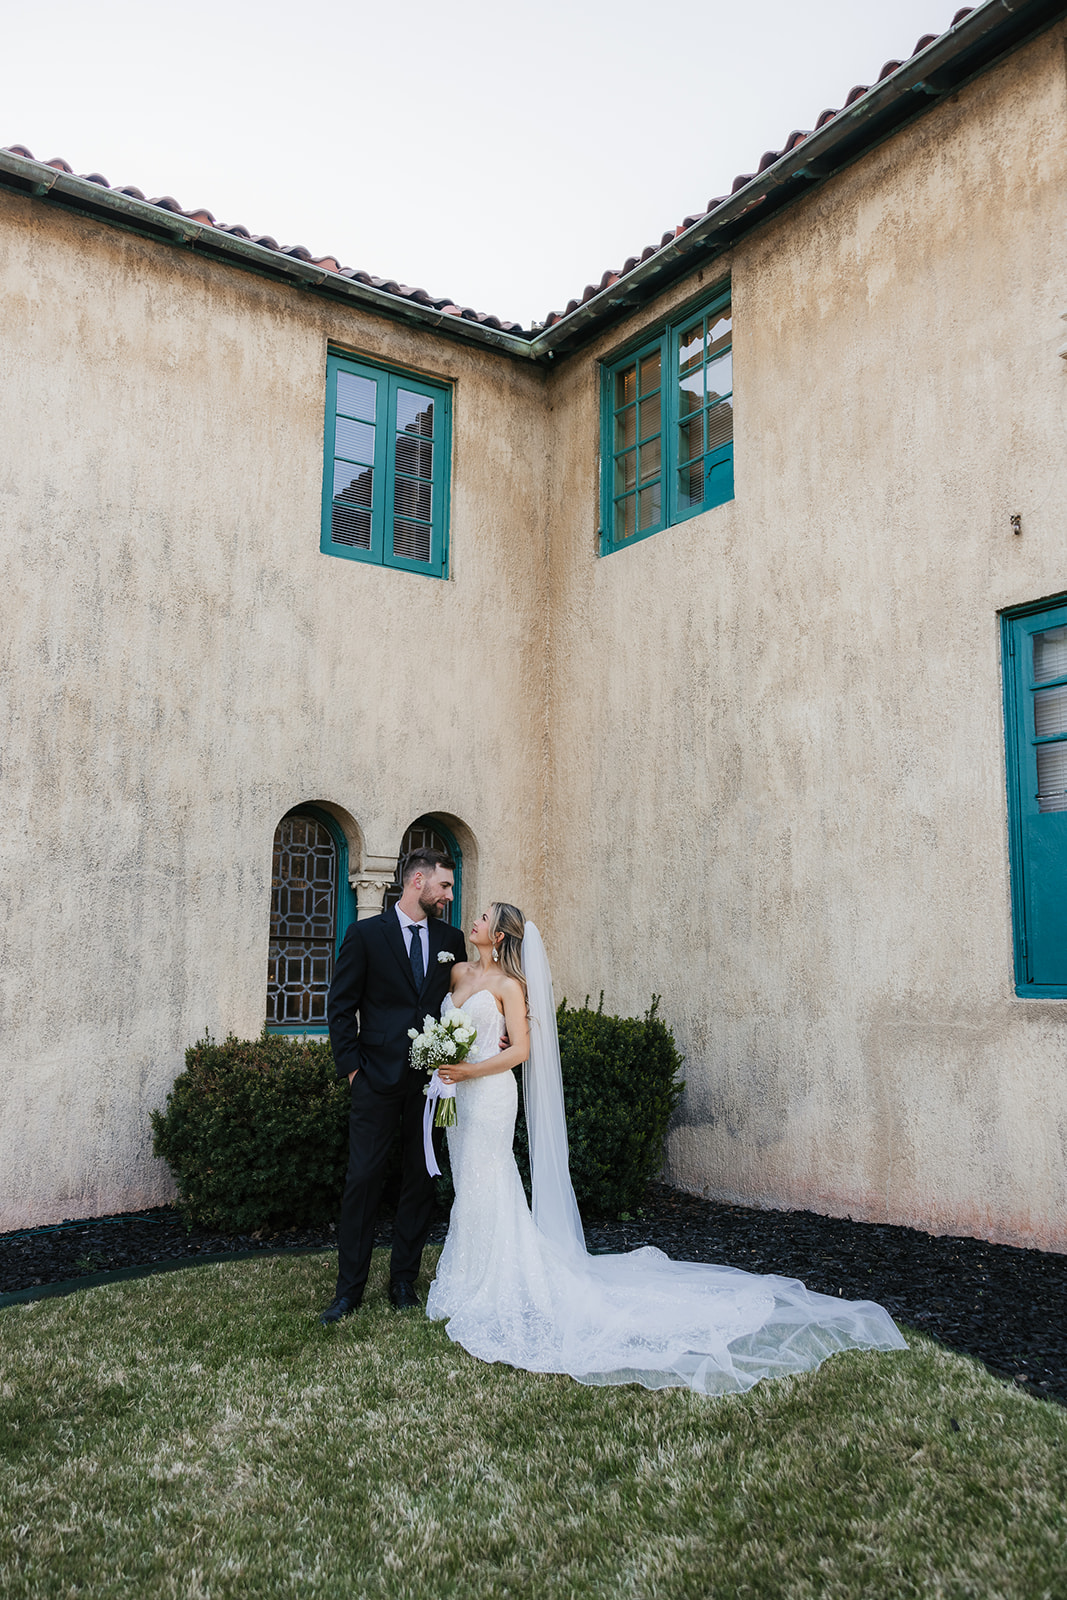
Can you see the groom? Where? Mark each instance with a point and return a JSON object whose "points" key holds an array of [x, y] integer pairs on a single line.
{"points": [[391, 970]]}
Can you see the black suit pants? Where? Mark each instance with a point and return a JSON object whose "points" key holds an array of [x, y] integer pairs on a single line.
{"points": [[372, 1123]]}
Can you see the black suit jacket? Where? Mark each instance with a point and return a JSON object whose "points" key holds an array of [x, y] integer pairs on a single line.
{"points": [[373, 1000]]}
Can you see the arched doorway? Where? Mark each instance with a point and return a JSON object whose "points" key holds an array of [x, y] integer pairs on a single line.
{"points": [[311, 906], [430, 833]]}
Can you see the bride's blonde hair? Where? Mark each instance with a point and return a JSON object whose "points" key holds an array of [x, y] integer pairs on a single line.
{"points": [[509, 921]]}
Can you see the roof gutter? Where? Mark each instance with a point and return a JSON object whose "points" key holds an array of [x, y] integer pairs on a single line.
{"points": [[992, 31], [172, 227]]}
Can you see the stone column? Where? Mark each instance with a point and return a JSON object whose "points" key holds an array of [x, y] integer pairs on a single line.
{"points": [[370, 890]]}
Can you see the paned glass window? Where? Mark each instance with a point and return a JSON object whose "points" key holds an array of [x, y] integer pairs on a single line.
{"points": [[1035, 700], [303, 922], [667, 447], [385, 492], [639, 445]]}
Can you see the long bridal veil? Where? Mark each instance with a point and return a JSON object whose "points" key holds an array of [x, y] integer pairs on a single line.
{"points": [[555, 1210], [642, 1317]]}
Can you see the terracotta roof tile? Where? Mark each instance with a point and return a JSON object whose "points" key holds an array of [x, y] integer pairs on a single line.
{"points": [[447, 307], [300, 252]]}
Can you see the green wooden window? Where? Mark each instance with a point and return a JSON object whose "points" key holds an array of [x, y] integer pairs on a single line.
{"points": [[1035, 704], [667, 427], [385, 488]]}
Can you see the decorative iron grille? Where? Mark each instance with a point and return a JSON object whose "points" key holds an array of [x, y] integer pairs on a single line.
{"points": [[303, 922]]}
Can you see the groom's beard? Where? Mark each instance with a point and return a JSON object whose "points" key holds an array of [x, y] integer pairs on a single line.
{"points": [[433, 908]]}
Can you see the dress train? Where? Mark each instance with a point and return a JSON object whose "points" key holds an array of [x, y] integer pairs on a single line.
{"points": [[510, 1292]]}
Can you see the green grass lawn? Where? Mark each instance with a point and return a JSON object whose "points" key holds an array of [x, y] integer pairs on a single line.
{"points": [[198, 1434]]}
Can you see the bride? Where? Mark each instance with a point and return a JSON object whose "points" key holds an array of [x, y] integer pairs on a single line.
{"points": [[522, 1289]]}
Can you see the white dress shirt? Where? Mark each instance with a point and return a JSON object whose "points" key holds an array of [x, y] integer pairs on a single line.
{"points": [[424, 936]]}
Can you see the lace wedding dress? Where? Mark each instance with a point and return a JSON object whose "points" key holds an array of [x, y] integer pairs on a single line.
{"points": [[530, 1295]]}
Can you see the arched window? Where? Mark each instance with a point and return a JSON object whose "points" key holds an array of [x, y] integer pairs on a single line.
{"points": [[311, 905], [429, 833]]}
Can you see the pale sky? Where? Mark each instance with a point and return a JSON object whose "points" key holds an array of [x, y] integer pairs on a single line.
{"points": [[501, 154]]}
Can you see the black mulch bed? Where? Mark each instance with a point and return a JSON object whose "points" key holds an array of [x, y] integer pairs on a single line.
{"points": [[1007, 1307]]}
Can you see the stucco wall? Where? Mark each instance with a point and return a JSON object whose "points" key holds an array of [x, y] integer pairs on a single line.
{"points": [[777, 793], [182, 666], [754, 763]]}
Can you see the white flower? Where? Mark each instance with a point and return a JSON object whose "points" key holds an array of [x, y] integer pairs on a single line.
{"points": [[428, 1023], [448, 1047], [413, 1033], [445, 956]]}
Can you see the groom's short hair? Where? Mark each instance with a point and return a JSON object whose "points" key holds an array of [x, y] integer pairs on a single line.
{"points": [[426, 861]]}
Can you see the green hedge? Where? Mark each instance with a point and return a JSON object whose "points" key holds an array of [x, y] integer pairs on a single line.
{"points": [[621, 1084], [256, 1131]]}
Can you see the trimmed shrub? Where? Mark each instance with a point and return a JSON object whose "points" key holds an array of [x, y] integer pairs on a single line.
{"points": [[621, 1084], [255, 1132]]}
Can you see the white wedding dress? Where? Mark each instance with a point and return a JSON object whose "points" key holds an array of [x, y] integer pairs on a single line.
{"points": [[511, 1292]]}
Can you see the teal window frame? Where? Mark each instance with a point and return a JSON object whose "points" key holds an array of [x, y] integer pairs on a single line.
{"points": [[345, 913], [718, 462], [388, 480], [1037, 838]]}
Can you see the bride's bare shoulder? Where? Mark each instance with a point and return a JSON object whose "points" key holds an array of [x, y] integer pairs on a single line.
{"points": [[461, 970]]}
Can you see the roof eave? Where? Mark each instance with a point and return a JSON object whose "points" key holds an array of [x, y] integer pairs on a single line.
{"points": [[993, 30], [121, 210]]}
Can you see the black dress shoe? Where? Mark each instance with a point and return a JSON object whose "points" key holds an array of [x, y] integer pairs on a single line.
{"points": [[343, 1306], [402, 1297]]}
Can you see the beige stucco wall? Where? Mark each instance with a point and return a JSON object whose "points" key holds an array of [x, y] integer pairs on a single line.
{"points": [[754, 763], [181, 666], [777, 794]]}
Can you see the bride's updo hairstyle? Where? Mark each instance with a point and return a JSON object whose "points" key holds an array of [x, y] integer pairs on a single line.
{"points": [[509, 921]]}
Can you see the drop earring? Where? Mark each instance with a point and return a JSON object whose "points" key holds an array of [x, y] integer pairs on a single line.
{"points": [[496, 955]]}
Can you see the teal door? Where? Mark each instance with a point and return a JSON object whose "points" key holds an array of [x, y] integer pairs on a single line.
{"points": [[1036, 706]]}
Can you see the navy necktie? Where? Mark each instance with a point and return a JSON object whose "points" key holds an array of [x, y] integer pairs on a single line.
{"points": [[418, 966]]}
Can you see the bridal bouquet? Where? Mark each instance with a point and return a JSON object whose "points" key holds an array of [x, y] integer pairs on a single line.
{"points": [[448, 1041]]}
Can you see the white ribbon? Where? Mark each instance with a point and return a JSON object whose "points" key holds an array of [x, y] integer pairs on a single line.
{"points": [[435, 1090]]}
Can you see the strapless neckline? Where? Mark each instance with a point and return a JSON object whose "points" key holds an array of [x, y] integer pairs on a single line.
{"points": [[473, 996], [481, 1008]]}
